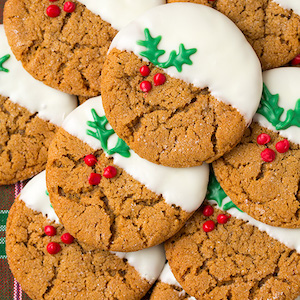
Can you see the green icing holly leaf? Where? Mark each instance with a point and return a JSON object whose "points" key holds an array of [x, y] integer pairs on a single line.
{"points": [[3, 59], [102, 134], [215, 192], [270, 109], [152, 53]]}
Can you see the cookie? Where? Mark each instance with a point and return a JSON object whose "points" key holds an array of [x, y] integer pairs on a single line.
{"points": [[229, 255], [192, 102], [109, 197], [261, 175], [63, 44], [167, 287], [50, 264], [271, 27], [30, 114]]}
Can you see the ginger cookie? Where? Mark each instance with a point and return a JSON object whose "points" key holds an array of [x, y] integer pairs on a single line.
{"points": [[270, 26], [50, 264], [261, 175], [176, 91], [109, 197], [229, 255], [30, 114], [167, 287], [64, 44]]}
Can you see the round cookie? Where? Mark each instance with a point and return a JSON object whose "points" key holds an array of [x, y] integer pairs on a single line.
{"points": [[261, 175], [236, 258], [195, 115], [167, 287], [262, 23], [76, 271], [67, 51], [30, 114], [115, 200]]}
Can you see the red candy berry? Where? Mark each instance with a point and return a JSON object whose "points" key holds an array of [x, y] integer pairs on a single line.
{"points": [[53, 11], [146, 86], [159, 79], [144, 70], [50, 230], [222, 219], [282, 146], [208, 210], [268, 155], [208, 226], [109, 172], [94, 179], [52, 0], [296, 60], [69, 7], [67, 238], [53, 248], [263, 139], [90, 160]]}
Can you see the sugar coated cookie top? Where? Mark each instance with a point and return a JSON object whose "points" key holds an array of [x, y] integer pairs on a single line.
{"points": [[290, 4], [50, 104], [212, 51]]}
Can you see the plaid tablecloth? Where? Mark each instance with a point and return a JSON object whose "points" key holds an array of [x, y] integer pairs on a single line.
{"points": [[9, 287]]}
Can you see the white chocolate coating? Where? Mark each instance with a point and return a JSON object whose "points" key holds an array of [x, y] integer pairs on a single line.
{"points": [[35, 197], [21, 88], [184, 187], [285, 82], [148, 262], [224, 62], [120, 12]]}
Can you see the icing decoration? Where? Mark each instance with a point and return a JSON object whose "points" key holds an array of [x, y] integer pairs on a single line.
{"points": [[34, 196], [268, 155], [272, 112], [3, 59], [120, 12], [102, 134], [50, 104], [145, 86], [53, 248], [144, 70], [50, 230], [94, 179], [216, 64], [281, 103], [282, 146], [90, 160], [263, 139], [152, 53], [184, 187], [69, 7], [289, 4], [287, 236], [148, 262], [159, 79], [167, 277], [53, 11], [67, 238], [222, 219], [208, 210], [208, 226], [109, 172], [296, 60]]}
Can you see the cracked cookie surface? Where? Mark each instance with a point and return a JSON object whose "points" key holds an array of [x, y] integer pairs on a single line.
{"points": [[233, 261], [267, 191], [24, 143], [76, 272], [118, 214], [176, 124], [66, 52], [272, 30]]}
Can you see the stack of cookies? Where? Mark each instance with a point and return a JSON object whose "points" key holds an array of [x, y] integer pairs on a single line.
{"points": [[182, 105]]}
